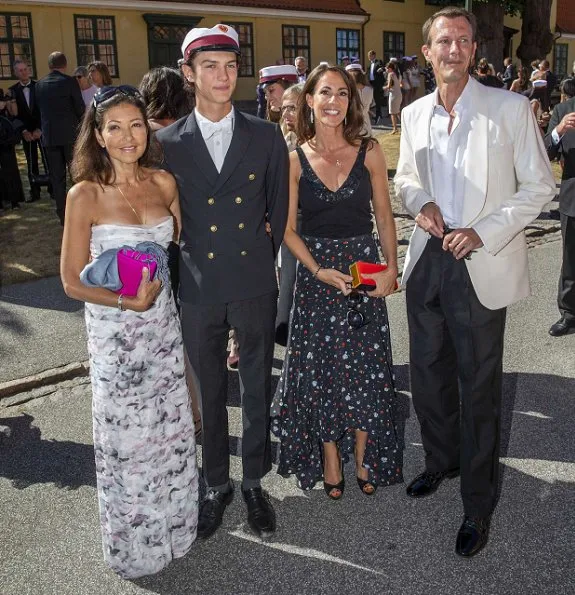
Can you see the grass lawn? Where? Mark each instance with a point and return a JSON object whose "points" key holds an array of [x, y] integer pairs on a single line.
{"points": [[30, 237]]}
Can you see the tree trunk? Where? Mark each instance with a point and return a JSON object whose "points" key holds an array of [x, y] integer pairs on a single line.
{"points": [[536, 37], [490, 39]]}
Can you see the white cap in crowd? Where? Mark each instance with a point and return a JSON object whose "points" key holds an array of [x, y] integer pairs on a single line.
{"points": [[272, 74], [220, 37], [354, 66]]}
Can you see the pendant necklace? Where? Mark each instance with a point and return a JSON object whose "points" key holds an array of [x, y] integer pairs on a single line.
{"points": [[131, 207]]}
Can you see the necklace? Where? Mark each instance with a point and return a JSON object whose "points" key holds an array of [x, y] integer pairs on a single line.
{"points": [[117, 187]]}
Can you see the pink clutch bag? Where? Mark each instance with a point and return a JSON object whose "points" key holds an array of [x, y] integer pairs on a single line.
{"points": [[130, 265]]}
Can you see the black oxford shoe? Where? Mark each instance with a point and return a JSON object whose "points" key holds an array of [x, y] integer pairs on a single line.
{"points": [[261, 515], [212, 512], [562, 327], [472, 536], [426, 483]]}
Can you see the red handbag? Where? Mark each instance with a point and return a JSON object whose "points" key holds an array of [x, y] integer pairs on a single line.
{"points": [[360, 268]]}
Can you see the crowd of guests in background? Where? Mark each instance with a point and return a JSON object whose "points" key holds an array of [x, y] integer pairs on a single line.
{"points": [[385, 89]]}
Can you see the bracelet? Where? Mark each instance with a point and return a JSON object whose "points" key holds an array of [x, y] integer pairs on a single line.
{"points": [[121, 303], [318, 270]]}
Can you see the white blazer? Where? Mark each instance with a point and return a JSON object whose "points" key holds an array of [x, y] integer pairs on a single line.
{"points": [[508, 181]]}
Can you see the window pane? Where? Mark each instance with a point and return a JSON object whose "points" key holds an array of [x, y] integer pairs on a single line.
{"points": [[106, 55], [5, 69], [105, 31], [86, 53], [3, 29], [84, 29], [20, 29]]}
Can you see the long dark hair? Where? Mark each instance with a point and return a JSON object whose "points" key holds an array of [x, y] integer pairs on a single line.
{"points": [[353, 123], [91, 162], [166, 94]]}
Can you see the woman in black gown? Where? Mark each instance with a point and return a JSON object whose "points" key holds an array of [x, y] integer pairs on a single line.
{"points": [[336, 393]]}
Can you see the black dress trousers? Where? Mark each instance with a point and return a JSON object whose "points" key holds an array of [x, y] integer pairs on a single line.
{"points": [[456, 352], [205, 329], [566, 293]]}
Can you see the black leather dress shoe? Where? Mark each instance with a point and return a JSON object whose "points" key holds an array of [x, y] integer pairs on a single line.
{"points": [[472, 536], [212, 512], [426, 483], [261, 515], [562, 327]]}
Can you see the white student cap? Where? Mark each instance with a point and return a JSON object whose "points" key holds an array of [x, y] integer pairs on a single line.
{"points": [[272, 74], [220, 37]]}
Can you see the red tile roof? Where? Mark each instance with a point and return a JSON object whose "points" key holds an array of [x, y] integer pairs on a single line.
{"points": [[330, 6], [565, 16]]}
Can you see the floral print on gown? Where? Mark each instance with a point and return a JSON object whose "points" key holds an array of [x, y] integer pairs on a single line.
{"points": [[144, 440]]}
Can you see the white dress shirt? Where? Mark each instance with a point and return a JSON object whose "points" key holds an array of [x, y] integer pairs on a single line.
{"points": [[217, 136], [448, 155], [372, 71], [26, 91]]}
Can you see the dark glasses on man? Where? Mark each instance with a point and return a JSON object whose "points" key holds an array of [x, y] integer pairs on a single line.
{"points": [[108, 92], [355, 318]]}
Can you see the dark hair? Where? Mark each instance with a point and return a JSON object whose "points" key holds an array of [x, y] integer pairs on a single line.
{"points": [[57, 60], [449, 12], [102, 68], [91, 161], [166, 94], [394, 66], [359, 77], [190, 61], [353, 125], [567, 87], [483, 66]]}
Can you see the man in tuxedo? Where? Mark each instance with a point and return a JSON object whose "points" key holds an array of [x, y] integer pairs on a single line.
{"points": [[376, 74], [232, 175], [300, 64], [61, 108], [24, 94], [472, 177], [509, 74], [560, 143]]}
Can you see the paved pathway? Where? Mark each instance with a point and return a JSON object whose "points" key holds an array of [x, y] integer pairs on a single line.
{"points": [[50, 543]]}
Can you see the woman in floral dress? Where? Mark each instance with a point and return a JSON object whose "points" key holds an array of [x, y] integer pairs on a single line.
{"points": [[143, 427], [336, 393]]}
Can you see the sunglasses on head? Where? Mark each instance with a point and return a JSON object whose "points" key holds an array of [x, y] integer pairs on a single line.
{"points": [[355, 318], [108, 92]]}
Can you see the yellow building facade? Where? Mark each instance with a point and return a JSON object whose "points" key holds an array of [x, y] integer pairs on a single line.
{"points": [[134, 35]]}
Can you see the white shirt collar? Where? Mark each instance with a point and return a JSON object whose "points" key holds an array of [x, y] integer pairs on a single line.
{"points": [[462, 104], [205, 123]]}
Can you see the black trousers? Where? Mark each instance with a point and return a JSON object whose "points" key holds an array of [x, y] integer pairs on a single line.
{"points": [[456, 352], [205, 329], [59, 159], [31, 152], [379, 98], [566, 293]]}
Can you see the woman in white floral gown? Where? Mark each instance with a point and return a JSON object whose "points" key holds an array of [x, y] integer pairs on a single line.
{"points": [[143, 427]]}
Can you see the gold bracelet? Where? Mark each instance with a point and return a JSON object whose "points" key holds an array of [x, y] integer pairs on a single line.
{"points": [[318, 270], [121, 303]]}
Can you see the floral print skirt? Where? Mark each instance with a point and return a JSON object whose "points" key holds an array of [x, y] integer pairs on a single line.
{"points": [[336, 378]]}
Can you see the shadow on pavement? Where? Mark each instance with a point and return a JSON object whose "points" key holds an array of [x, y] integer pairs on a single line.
{"points": [[27, 459], [46, 294]]}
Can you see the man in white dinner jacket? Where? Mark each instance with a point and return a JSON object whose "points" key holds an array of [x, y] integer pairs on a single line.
{"points": [[467, 260]]}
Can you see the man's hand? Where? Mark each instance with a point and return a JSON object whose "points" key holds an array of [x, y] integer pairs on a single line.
{"points": [[430, 219], [36, 134], [567, 123], [461, 242], [27, 136]]}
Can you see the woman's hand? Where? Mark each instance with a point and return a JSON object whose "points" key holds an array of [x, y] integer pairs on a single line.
{"points": [[147, 293], [385, 283], [336, 279]]}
